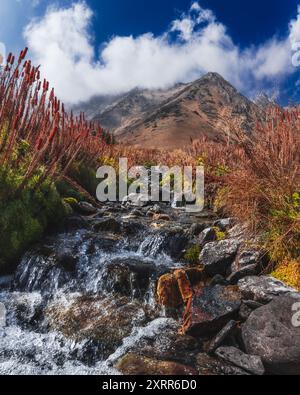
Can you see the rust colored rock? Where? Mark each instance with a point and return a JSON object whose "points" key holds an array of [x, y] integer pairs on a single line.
{"points": [[168, 292], [133, 364]]}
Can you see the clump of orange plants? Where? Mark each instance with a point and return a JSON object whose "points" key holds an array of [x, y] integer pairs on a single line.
{"points": [[264, 189]]}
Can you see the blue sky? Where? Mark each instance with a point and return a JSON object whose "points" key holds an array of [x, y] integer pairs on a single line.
{"points": [[108, 46]]}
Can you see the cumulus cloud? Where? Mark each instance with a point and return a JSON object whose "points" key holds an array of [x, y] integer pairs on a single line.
{"points": [[194, 44]]}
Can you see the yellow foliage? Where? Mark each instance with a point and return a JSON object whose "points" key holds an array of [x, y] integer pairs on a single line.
{"points": [[289, 273]]}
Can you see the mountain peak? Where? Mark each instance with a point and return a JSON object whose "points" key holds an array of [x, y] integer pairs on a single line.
{"points": [[173, 117]]}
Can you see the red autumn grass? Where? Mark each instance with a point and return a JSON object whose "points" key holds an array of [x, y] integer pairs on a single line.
{"points": [[264, 191]]}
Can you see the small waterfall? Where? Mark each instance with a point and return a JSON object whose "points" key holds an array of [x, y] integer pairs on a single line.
{"points": [[79, 284], [152, 245]]}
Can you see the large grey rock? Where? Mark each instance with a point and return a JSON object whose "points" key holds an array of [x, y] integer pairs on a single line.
{"points": [[273, 333], [262, 289], [250, 363], [217, 257]]}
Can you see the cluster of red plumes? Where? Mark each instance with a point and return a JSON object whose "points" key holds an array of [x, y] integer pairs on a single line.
{"points": [[30, 112]]}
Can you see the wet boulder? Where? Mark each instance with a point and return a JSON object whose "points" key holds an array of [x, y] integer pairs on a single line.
{"points": [[129, 277], [250, 363], [103, 321], [211, 309], [273, 333], [107, 225], [67, 260], [262, 289], [134, 364], [217, 257]]}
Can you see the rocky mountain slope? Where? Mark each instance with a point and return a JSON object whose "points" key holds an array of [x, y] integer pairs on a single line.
{"points": [[171, 118]]}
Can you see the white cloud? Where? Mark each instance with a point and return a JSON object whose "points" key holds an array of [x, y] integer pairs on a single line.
{"points": [[61, 43]]}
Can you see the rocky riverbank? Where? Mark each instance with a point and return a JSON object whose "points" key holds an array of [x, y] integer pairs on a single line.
{"points": [[147, 290]]}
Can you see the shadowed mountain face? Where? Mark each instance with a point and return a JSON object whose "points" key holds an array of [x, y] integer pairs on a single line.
{"points": [[171, 118]]}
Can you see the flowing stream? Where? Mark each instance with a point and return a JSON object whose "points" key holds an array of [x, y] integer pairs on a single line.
{"points": [[81, 300]]}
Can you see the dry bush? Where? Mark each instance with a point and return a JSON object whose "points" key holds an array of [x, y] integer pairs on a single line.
{"points": [[264, 190]]}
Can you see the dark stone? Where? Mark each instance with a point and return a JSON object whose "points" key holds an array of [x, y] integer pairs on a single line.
{"points": [[207, 236], [217, 257], [107, 225], [245, 312], [211, 366], [76, 222], [218, 280], [212, 308], [273, 333], [252, 364], [235, 277], [250, 258], [248, 306], [196, 229], [222, 336], [104, 321], [67, 261], [128, 277]]}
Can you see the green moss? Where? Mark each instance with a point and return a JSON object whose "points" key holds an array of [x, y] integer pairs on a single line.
{"points": [[24, 220], [220, 235], [85, 177], [192, 254]]}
